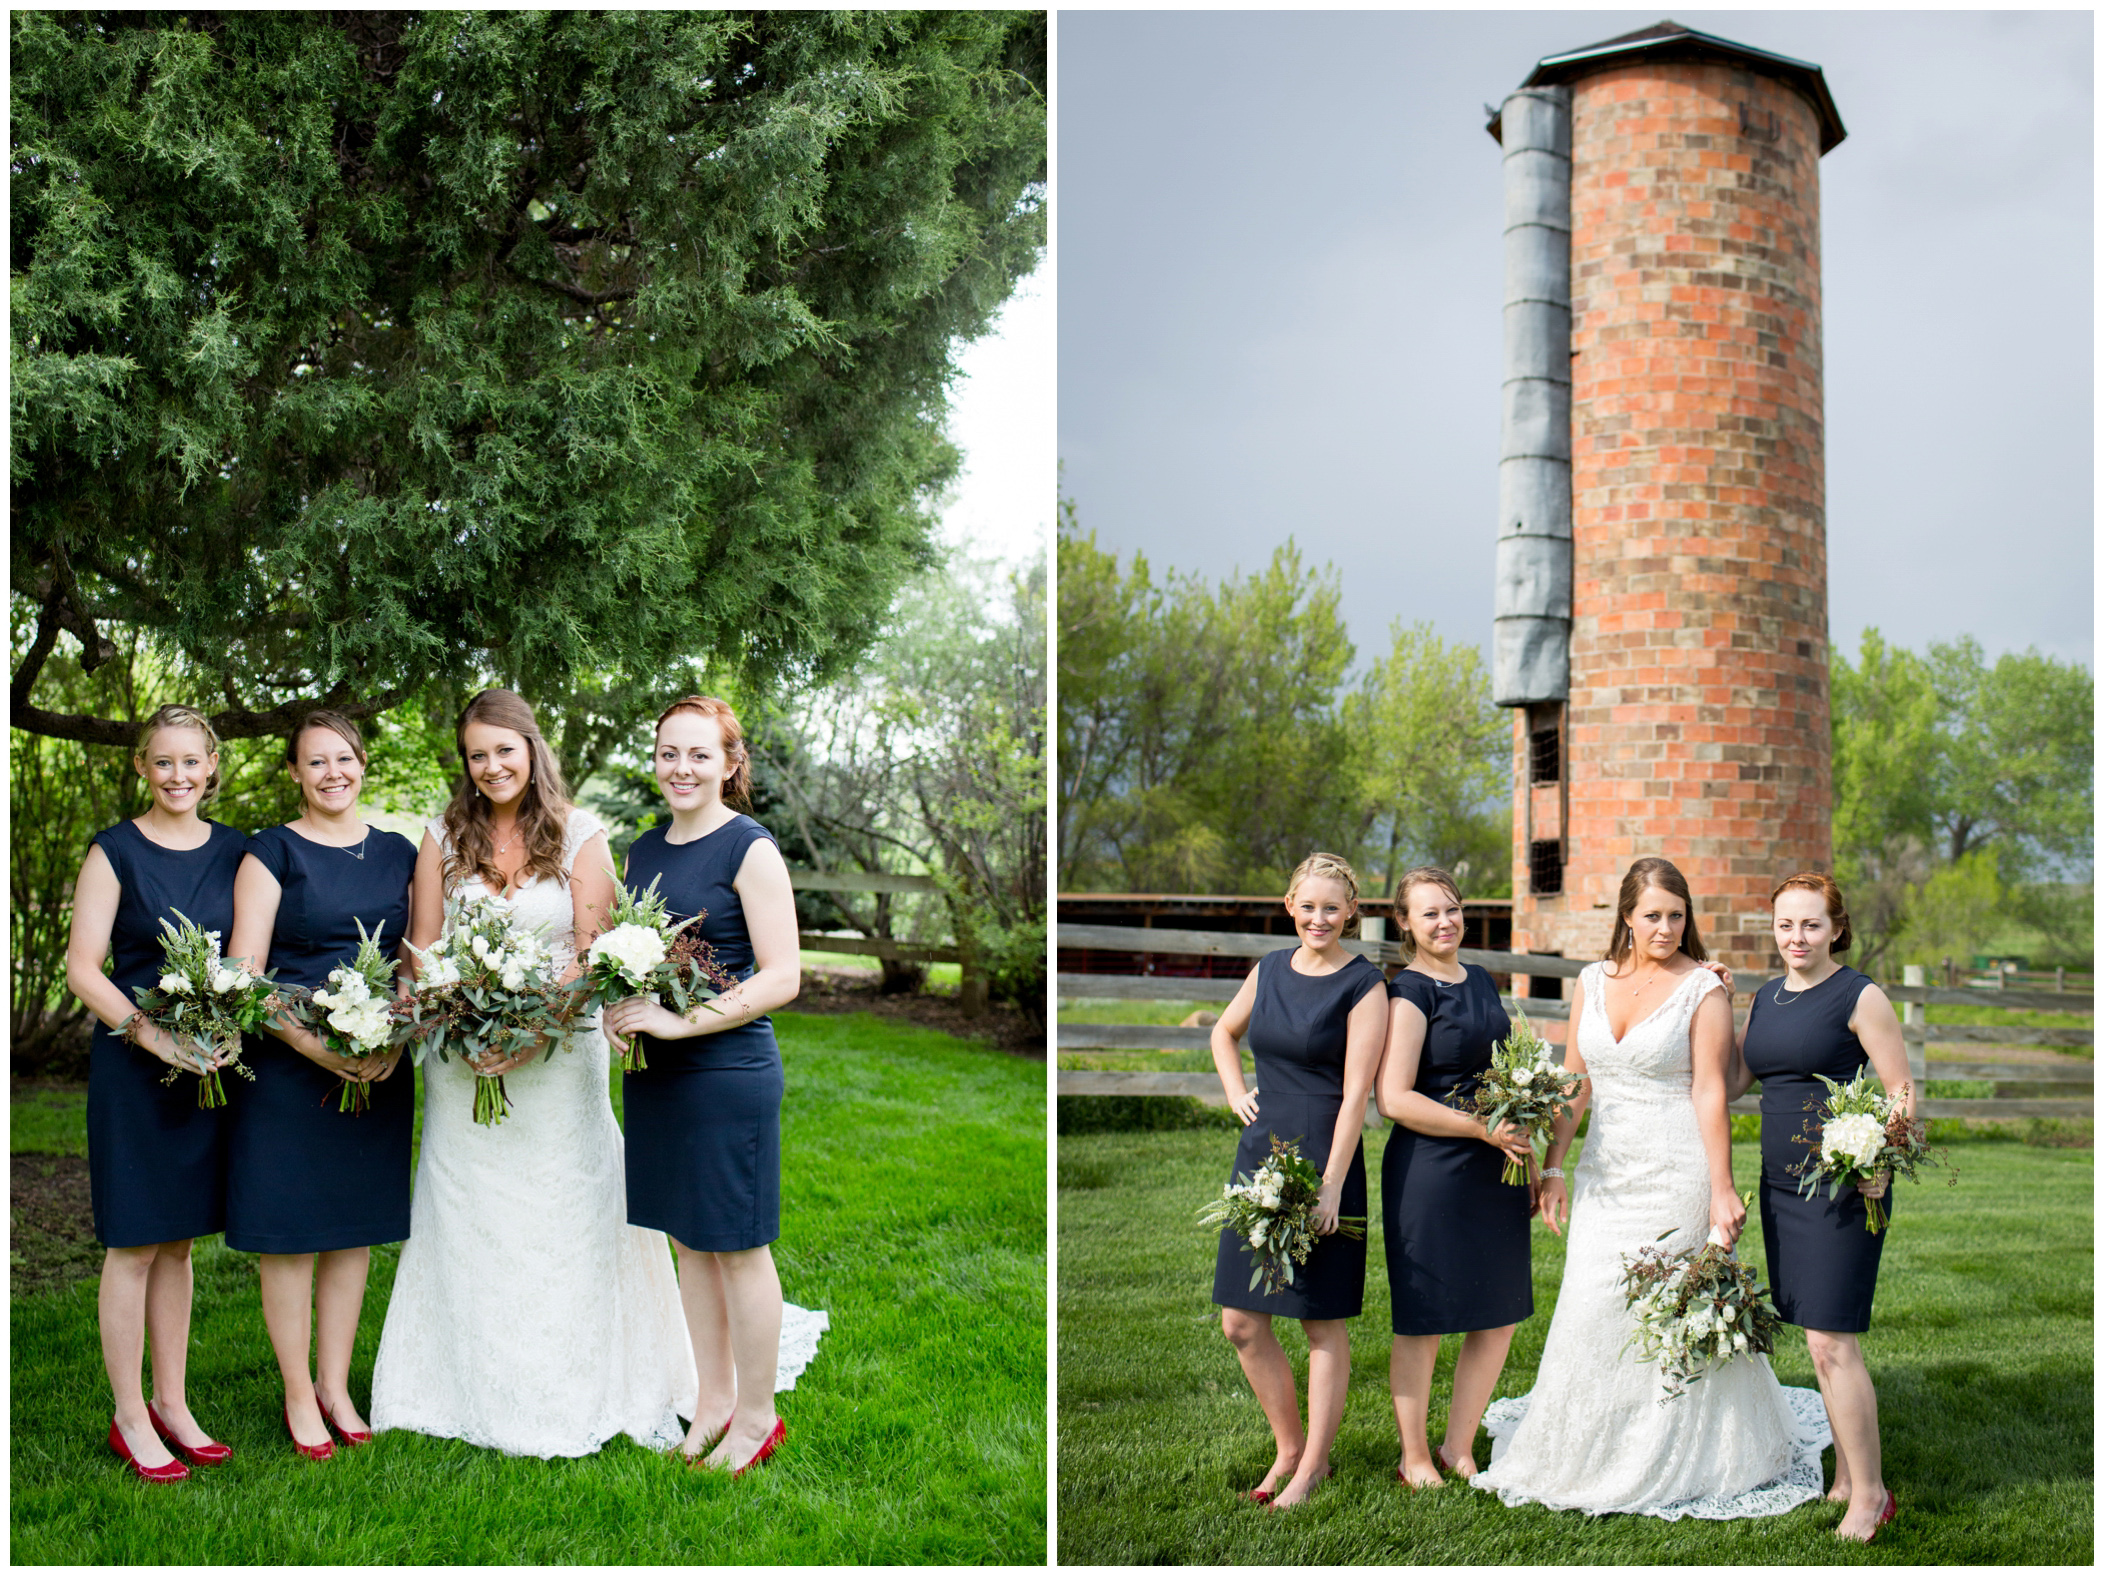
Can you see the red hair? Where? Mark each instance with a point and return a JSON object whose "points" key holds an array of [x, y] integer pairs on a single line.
{"points": [[1836, 909], [737, 782]]}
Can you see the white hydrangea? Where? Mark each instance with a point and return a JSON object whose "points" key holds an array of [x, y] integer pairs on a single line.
{"points": [[1856, 1138], [438, 973], [634, 949]]}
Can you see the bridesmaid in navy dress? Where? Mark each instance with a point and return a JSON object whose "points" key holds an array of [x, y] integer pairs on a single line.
{"points": [[1823, 1017], [308, 1181], [702, 1120], [1456, 1232], [1316, 1017], [156, 1160]]}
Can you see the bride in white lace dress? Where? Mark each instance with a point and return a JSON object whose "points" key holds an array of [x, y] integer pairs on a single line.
{"points": [[527, 1315], [1654, 1038]]}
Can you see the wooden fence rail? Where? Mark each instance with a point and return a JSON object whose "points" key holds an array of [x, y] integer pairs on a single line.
{"points": [[971, 985], [1914, 997]]}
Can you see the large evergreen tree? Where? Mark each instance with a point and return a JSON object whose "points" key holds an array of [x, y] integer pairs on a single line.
{"points": [[354, 350]]}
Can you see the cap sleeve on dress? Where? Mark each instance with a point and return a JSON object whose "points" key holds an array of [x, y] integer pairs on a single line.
{"points": [[1414, 988], [1367, 983], [271, 853], [437, 828], [578, 831]]}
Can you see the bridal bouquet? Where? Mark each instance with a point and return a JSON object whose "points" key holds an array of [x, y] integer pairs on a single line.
{"points": [[1274, 1214], [642, 953], [486, 988], [1694, 1309], [1524, 1085], [352, 1011], [206, 1002], [1864, 1131]]}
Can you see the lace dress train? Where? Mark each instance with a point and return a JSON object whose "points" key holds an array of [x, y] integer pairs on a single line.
{"points": [[1593, 1434]]}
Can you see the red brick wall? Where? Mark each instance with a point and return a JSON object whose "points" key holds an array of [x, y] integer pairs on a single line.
{"points": [[1697, 726]]}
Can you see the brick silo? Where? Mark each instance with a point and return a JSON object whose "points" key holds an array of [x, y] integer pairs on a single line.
{"points": [[1661, 629]]}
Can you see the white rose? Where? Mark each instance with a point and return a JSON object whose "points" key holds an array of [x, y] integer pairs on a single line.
{"points": [[514, 979], [634, 949], [1856, 1138], [479, 946], [1731, 1312], [1523, 1077], [175, 984], [227, 981], [1738, 1339], [1258, 1233]]}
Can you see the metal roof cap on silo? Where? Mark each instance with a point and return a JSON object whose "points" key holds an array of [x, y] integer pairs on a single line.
{"points": [[1670, 41]]}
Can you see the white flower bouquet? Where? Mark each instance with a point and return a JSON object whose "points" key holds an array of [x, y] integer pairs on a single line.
{"points": [[1695, 1310], [353, 1011], [206, 1002], [1864, 1131], [642, 953], [1523, 1084], [1273, 1213], [486, 989]]}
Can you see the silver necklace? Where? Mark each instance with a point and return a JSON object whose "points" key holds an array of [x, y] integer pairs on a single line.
{"points": [[357, 853], [1795, 995]]}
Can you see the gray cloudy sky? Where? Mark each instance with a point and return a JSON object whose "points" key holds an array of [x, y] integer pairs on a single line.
{"points": [[1279, 277]]}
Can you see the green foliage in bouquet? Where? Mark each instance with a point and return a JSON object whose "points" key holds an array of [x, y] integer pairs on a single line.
{"points": [[1695, 1309], [1862, 1132], [352, 1012], [642, 953], [1524, 1084], [1274, 1214], [206, 1002]]}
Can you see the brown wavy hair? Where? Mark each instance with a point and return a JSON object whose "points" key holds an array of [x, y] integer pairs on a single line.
{"points": [[1836, 909], [737, 782], [1423, 875], [181, 717], [1666, 876], [544, 808]]}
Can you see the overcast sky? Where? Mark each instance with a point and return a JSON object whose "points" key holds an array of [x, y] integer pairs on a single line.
{"points": [[1001, 415], [1280, 271]]}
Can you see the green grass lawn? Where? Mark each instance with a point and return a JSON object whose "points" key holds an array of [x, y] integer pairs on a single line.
{"points": [[913, 1205], [1981, 1350]]}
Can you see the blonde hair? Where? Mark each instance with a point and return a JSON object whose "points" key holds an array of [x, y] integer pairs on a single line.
{"points": [[181, 717], [737, 782], [1326, 867], [1423, 875]]}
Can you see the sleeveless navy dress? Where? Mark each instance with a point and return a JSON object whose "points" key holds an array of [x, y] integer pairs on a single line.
{"points": [[156, 1162], [703, 1120], [1822, 1261], [1459, 1254], [1297, 1034], [304, 1176]]}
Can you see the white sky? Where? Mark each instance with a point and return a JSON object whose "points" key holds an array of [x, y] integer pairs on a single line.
{"points": [[1002, 411]]}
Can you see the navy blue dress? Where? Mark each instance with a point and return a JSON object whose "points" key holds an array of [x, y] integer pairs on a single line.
{"points": [[303, 1175], [703, 1119], [1297, 1035], [1822, 1261], [1459, 1254], [156, 1162]]}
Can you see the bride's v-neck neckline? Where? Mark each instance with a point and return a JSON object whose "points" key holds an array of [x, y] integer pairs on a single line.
{"points": [[1647, 1017]]}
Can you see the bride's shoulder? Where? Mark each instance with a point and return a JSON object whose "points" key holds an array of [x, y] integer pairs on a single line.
{"points": [[579, 828]]}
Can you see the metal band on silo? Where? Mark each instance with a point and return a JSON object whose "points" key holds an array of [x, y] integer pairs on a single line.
{"points": [[1531, 643]]}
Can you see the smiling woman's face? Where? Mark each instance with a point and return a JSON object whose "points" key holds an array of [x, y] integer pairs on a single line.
{"points": [[499, 762], [1321, 907], [690, 760], [328, 770], [177, 763]]}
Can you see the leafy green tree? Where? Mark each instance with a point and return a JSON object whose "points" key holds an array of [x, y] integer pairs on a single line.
{"points": [[354, 351], [1886, 742], [2017, 767], [1200, 739], [1435, 764]]}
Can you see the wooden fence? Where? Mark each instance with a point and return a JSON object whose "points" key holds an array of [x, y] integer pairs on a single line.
{"points": [[1915, 997], [971, 987]]}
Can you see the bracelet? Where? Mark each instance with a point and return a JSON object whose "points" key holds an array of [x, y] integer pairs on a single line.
{"points": [[1551, 1171]]}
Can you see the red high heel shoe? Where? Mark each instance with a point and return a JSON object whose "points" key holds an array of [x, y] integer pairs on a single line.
{"points": [[209, 1454], [1891, 1510], [767, 1448], [708, 1443], [351, 1436], [173, 1472], [311, 1452], [1262, 1496]]}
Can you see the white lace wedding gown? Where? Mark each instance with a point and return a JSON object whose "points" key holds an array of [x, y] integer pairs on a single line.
{"points": [[1593, 1436], [527, 1315]]}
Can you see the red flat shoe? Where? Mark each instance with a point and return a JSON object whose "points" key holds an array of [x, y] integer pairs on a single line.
{"points": [[173, 1472], [209, 1454], [1261, 1496], [311, 1452], [767, 1448]]}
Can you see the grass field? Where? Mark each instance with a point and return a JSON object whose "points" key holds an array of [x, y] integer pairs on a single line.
{"points": [[914, 1212], [1981, 1349]]}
